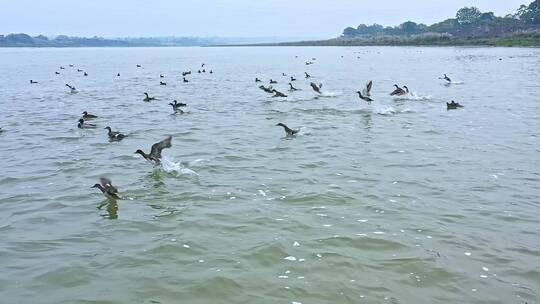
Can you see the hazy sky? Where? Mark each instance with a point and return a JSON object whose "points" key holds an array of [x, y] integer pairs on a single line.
{"points": [[231, 18]]}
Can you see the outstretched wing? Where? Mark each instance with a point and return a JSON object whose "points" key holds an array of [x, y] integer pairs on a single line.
{"points": [[157, 147], [107, 185], [367, 91]]}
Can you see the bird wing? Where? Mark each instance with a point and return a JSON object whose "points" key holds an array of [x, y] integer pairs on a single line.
{"points": [[107, 185], [157, 147], [367, 91]]}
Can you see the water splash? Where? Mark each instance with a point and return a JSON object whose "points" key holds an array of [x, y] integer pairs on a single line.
{"points": [[170, 166]]}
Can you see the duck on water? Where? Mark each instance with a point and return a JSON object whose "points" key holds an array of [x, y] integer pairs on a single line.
{"points": [[292, 89], [155, 152], [176, 106], [399, 91], [87, 115], [288, 131], [114, 136], [83, 125], [106, 187], [453, 105], [148, 98]]}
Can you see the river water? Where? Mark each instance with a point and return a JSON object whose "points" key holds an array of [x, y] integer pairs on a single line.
{"points": [[400, 201]]}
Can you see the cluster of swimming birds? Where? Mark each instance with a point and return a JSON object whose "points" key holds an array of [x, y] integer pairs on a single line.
{"points": [[365, 94], [105, 184], [111, 192]]}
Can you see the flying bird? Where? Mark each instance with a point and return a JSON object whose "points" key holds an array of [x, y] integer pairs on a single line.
{"points": [[398, 91], [155, 152], [315, 87], [107, 188]]}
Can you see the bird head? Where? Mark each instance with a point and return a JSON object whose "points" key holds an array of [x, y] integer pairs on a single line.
{"points": [[139, 151], [108, 128], [85, 113], [280, 124], [95, 186]]}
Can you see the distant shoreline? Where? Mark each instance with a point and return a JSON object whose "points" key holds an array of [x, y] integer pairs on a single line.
{"points": [[516, 41], [396, 41]]}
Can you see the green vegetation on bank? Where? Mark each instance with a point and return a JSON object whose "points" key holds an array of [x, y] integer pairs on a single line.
{"points": [[470, 27]]}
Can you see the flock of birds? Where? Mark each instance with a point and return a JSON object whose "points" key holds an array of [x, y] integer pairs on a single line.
{"points": [[154, 156]]}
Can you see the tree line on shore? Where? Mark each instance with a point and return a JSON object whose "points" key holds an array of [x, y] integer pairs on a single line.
{"points": [[468, 22]]}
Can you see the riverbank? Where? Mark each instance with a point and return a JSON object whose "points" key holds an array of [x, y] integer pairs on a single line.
{"points": [[529, 40]]}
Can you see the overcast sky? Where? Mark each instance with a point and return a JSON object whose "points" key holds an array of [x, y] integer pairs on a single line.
{"points": [[229, 18]]}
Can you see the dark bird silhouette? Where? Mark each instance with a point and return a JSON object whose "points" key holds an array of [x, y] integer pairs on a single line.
{"points": [[257, 79], [398, 91], [293, 79], [138, 65], [161, 76], [185, 80], [71, 88], [57, 73], [366, 98], [272, 81], [176, 106], [453, 105], [278, 93], [307, 75], [155, 152], [118, 75], [85, 74], [292, 88], [114, 136], [148, 98], [162, 83], [32, 82], [107, 188], [315, 87], [288, 131], [83, 125], [446, 78], [87, 115]]}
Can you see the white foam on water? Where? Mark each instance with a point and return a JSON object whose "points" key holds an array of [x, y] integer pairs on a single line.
{"points": [[290, 258], [414, 97], [170, 166]]}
